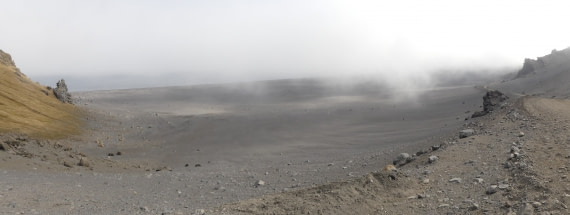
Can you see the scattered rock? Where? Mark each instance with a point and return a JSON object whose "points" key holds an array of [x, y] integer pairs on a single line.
{"points": [[478, 180], [421, 152], [402, 159], [466, 133], [389, 168], [67, 164], [84, 162], [456, 180], [100, 143], [492, 189], [515, 149], [145, 209], [259, 183], [526, 209], [200, 212], [536, 204], [435, 147], [474, 206], [433, 159], [520, 134], [503, 186]]}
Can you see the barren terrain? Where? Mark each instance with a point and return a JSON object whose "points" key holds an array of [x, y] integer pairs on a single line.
{"points": [[298, 147]]}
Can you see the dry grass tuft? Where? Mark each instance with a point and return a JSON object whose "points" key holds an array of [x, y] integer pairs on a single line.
{"points": [[30, 108]]}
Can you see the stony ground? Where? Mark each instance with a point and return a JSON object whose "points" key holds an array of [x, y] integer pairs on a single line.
{"points": [[516, 162]]}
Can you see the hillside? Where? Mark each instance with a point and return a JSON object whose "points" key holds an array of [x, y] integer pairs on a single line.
{"points": [[546, 76], [29, 108]]}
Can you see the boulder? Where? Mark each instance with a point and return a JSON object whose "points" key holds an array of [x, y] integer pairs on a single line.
{"points": [[466, 133], [432, 159], [402, 159]]}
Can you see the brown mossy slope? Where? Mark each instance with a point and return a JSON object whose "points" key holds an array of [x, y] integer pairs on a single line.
{"points": [[30, 108]]}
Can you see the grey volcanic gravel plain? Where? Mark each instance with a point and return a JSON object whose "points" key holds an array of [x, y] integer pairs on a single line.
{"points": [[194, 147]]}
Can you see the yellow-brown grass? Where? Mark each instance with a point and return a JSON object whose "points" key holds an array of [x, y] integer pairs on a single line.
{"points": [[25, 108]]}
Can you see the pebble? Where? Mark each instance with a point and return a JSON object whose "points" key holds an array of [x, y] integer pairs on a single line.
{"points": [[536, 204], [432, 159], [474, 206], [503, 186], [492, 189], [466, 133], [84, 162], [259, 183], [67, 164], [478, 180], [457, 180]]}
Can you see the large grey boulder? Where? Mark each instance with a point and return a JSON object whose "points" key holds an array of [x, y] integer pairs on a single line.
{"points": [[402, 159]]}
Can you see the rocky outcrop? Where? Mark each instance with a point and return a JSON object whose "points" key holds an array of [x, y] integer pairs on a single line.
{"points": [[531, 67], [491, 100], [6, 59], [61, 93]]}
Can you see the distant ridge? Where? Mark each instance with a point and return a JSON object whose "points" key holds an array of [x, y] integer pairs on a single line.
{"points": [[554, 59], [547, 76], [29, 108]]}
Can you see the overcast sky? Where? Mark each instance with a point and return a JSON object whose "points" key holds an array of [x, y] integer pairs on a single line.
{"points": [[220, 41]]}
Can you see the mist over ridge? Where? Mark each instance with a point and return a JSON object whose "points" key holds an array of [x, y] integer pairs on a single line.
{"points": [[200, 42]]}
